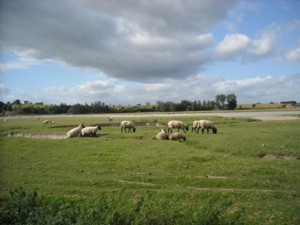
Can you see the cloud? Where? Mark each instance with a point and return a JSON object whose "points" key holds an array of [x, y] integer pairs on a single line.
{"points": [[129, 40], [24, 59], [266, 88], [232, 45], [261, 47], [293, 56], [235, 45], [3, 89], [145, 51], [200, 87]]}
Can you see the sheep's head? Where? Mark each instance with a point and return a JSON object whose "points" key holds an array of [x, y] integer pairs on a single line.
{"points": [[134, 129], [81, 125], [214, 130], [98, 126]]}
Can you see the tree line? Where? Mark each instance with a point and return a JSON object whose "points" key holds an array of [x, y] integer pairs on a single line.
{"points": [[224, 102]]}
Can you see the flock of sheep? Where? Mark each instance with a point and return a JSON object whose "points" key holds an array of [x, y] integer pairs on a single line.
{"points": [[128, 126]]}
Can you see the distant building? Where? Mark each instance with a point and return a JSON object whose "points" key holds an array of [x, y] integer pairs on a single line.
{"points": [[288, 104]]}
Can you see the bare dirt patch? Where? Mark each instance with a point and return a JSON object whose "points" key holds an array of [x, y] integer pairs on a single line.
{"points": [[46, 136], [37, 136], [135, 182], [277, 156]]}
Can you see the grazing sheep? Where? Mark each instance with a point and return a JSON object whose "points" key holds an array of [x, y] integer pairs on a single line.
{"points": [[177, 137], [110, 119], [75, 131], [89, 131], [195, 125], [177, 124], [162, 135], [127, 124], [206, 124]]}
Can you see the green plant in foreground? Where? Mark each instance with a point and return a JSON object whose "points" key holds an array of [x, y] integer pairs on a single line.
{"points": [[23, 208]]}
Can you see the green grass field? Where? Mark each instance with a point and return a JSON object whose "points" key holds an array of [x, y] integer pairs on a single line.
{"points": [[254, 164]]}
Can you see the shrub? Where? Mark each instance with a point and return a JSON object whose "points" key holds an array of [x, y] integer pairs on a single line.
{"points": [[22, 208]]}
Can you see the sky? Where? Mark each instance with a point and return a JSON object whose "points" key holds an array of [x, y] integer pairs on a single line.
{"points": [[138, 51]]}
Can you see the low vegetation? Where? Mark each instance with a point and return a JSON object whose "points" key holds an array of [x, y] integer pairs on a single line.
{"points": [[130, 178]]}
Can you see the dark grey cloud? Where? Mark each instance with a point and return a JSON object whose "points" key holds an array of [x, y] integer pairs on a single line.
{"points": [[130, 40]]}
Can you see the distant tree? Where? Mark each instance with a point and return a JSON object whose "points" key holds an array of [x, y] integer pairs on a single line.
{"points": [[231, 101], [220, 101], [17, 102], [8, 106], [2, 106]]}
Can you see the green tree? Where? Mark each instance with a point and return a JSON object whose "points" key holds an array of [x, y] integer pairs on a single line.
{"points": [[17, 102], [220, 101], [231, 101]]}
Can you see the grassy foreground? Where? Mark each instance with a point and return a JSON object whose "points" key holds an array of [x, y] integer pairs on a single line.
{"points": [[253, 165]]}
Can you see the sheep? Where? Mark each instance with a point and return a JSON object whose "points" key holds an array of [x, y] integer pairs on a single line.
{"points": [[110, 119], [206, 124], [162, 135], [177, 137], [75, 131], [177, 124], [195, 125], [127, 124], [89, 131]]}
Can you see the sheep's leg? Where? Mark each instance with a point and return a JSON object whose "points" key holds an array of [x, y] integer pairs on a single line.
{"points": [[122, 129], [183, 130], [202, 130]]}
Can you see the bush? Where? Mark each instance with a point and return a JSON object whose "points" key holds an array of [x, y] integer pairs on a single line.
{"points": [[22, 208]]}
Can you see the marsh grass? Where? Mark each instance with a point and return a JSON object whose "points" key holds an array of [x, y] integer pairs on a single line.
{"points": [[189, 174]]}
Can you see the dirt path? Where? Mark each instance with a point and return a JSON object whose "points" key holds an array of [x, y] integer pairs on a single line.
{"points": [[261, 115]]}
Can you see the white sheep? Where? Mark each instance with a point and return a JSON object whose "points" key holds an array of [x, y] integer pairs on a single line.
{"points": [[177, 137], [206, 124], [75, 131], [177, 124], [127, 125], [89, 131], [162, 135], [195, 125]]}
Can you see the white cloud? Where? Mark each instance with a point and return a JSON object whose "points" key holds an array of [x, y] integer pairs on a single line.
{"points": [[24, 59], [261, 47], [200, 87], [293, 56], [240, 45], [231, 46]]}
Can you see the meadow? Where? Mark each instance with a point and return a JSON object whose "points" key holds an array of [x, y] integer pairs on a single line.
{"points": [[250, 169]]}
